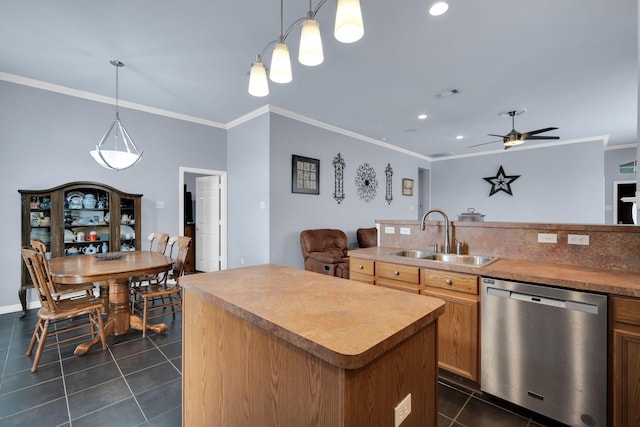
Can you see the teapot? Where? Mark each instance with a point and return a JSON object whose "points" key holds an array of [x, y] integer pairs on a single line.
{"points": [[125, 219], [79, 237], [89, 249], [69, 236], [72, 251]]}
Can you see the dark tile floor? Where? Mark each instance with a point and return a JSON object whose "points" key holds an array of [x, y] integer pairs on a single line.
{"points": [[137, 382]]}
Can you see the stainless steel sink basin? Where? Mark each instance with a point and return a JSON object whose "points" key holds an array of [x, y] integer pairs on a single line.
{"points": [[477, 260], [413, 254], [472, 260]]}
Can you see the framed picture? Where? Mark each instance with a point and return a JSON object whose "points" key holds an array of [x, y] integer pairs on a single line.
{"points": [[305, 175], [407, 187]]}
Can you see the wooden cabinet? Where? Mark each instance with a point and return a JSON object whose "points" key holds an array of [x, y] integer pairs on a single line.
{"points": [[459, 326], [362, 270], [625, 405], [77, 218], [396, 276]]}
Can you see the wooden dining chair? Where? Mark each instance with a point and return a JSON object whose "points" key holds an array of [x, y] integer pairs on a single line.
{"points": [[157, 243], [63, 319], [58, 290], [167, 290]]}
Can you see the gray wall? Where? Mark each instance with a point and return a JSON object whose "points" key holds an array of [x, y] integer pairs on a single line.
{"points": [[558, 184], [294, 212], [248, 191], [45, 141]]}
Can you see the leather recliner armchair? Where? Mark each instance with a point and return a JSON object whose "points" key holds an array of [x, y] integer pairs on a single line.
{"points": [[325, 251]]}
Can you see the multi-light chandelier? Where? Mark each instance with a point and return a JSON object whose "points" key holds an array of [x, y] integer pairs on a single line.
{"points": [[348, 29], [124, 153]]}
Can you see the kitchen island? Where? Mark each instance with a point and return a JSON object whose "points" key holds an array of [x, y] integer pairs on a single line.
{"points": [[271, 345]]}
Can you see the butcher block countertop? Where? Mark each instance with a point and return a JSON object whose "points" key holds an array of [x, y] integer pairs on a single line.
{"points": [[346, 323], [616, 282]]}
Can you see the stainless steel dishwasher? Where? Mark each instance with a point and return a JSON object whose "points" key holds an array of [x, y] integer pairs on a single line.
{"points": [[545, 349]]}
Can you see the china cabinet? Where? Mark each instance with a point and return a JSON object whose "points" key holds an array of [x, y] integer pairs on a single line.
{"points": [[79, 218]]}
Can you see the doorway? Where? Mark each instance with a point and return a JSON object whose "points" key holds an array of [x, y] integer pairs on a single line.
{"points": [[424, 184], [624, 212], [210, 210]]}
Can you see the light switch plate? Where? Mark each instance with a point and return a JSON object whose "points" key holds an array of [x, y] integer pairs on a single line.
{"points": [[390, 230], [402, 411], [578, 239], [405, 231]]}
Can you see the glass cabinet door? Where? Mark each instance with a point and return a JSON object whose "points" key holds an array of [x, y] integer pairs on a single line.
{"points": [[86, 221]]}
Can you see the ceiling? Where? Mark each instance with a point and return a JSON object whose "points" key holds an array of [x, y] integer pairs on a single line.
{"points": [[571, 64]]}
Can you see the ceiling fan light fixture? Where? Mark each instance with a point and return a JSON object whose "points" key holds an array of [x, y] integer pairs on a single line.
{"points": [[280, 71], [258, 84], [438, 8], [310, 52], [513, 141], [348, 27]]}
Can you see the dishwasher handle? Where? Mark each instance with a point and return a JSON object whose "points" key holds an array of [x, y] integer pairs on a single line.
{"points": [[543, 300]]}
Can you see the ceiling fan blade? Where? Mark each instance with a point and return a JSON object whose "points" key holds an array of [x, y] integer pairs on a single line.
{"points": [[541, 137], [485, 143], [535, 132], [499, 136]]}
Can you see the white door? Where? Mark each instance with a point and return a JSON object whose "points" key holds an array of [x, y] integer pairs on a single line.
{"points": [[208, 223]]}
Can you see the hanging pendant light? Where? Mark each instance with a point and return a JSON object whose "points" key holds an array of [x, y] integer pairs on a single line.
{"points": [[310, 52], [258, 84], [349, 27], [280, 71], [124, 153]]}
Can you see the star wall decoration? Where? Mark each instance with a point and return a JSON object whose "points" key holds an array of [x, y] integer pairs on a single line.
{"points": [[501, 182]]}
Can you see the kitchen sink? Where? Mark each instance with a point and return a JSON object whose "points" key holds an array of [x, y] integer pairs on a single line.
{"points": [[472, 260]]}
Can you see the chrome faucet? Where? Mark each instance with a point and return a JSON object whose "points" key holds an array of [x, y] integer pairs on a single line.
{"points": [[447, 243]]}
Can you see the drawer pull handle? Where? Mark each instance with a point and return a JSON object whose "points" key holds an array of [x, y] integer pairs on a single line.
{"points": [[448, 282], [360, 267], [396, 273]]}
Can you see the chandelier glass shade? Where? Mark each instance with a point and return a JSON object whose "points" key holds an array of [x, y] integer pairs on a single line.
{"points": [[258, 85], [116, 150], [280, 71], [348, 29], [310, 52]]}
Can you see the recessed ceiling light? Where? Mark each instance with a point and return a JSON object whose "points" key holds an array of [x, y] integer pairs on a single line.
{"points": [[438, 8], [422, 116], [459, 137]]}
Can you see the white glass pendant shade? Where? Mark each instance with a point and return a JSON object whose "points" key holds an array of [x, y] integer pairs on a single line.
{"points": [[258, 84], [124, 153], [513, 141], [280, 71], [310, 44], [349, 27]]}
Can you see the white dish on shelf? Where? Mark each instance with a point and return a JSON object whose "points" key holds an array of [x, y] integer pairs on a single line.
{"points": [[75, 199]]}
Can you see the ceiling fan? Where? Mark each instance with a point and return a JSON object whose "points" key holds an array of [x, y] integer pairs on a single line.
{"points": [[514, 137]]}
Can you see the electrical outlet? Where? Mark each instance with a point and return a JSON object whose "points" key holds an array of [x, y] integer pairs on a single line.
{"points": [[402, 411], [547, 238], [405, 231], [578, 239], [389, 230]]}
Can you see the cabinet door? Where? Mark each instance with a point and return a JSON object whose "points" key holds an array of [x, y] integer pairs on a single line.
{"points": [[626, 377], [458, 334]]}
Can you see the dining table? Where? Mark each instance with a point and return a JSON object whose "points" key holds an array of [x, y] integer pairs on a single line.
{"points": [[113, 273]]}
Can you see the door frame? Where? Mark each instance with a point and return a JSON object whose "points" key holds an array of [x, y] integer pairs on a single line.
{"points": [[614, 219], [223, 206]]}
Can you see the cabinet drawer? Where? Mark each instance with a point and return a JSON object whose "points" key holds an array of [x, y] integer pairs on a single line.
{"points": [[364, 278], [403, 273], [361, 266], [400, 286], [626, 310], [458, 282]]}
